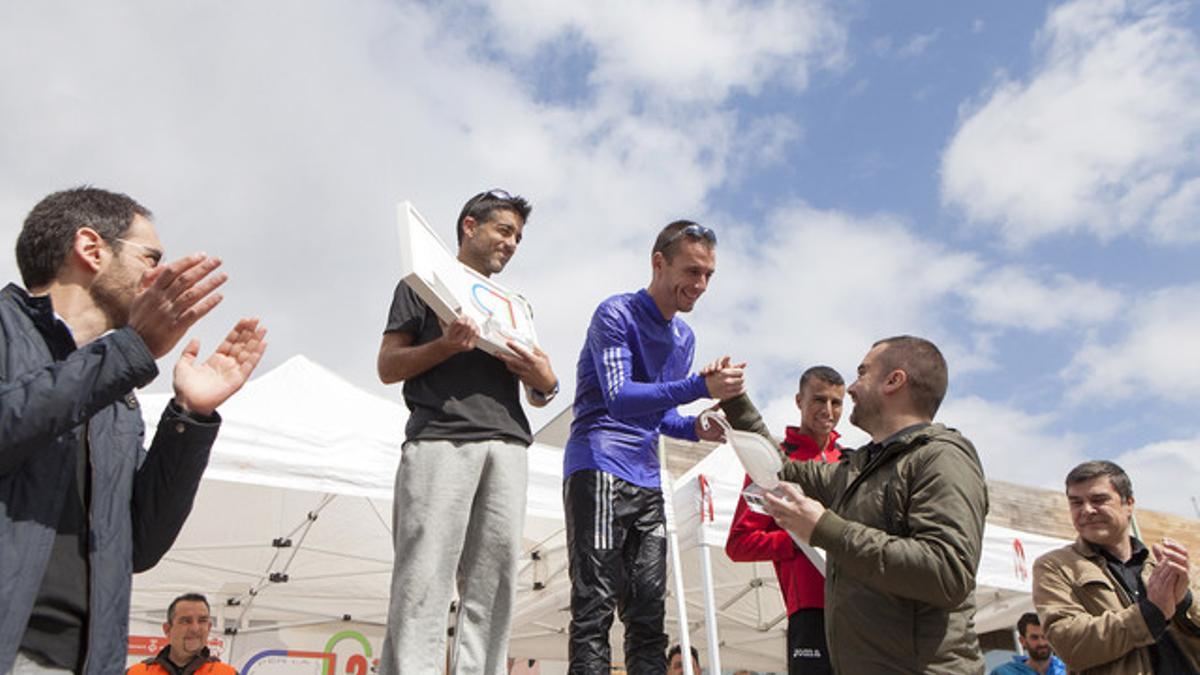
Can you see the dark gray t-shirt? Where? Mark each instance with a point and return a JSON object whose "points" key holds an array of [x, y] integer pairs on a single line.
{"points": [[470, 396]]}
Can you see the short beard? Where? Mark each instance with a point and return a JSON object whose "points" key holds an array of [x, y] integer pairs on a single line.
{"points": [[111, 298]]}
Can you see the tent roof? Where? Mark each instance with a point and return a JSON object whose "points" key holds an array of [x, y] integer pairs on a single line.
{"points": [[305, 459], [302, 427]]}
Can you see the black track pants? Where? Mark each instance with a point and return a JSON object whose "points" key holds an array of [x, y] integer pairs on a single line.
{"points": [[807, 653], [617, 548]]}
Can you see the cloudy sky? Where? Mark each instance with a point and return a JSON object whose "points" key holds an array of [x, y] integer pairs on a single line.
{"points": [[1017, 181]]}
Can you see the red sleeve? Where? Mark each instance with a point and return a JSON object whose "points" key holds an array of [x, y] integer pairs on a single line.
{"points": [[755, 536]]}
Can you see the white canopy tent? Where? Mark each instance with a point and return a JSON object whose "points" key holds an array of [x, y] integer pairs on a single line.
{"points": [[292, 526], [292, 522]]}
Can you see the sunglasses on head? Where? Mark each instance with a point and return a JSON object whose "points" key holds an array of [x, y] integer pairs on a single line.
{"points": [[494, 193], [693, 231]]}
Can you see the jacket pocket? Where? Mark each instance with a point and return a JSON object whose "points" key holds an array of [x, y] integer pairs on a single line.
{"points": [[1097, 593], [894, 509]]}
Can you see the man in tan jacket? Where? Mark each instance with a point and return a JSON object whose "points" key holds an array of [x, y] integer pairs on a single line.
{"points": [[1110, 605]]}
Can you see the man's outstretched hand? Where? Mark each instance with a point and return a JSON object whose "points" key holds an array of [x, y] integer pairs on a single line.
{"points": [[173, 297], [724, 378], [201, 387]]}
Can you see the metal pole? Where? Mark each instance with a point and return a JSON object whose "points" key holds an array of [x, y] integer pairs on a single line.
{"points": [[710, 607], [676, 562]]}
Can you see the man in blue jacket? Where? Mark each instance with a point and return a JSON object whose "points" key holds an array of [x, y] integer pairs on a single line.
{"points": [[1038, 659], [82, 504], [632, 373]]}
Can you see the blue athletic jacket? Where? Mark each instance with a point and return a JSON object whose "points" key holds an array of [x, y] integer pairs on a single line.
{"points": [[632, 373]]}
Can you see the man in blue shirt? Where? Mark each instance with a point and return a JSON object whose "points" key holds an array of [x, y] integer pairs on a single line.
{"points": [[632, 373], [1040, 660]]}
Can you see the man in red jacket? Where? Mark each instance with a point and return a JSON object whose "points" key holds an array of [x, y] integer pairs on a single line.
{"points": [[755, 536]]}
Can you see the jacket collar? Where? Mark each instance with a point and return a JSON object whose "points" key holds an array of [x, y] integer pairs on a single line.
{"points": [[651, 307], [38, 307], [897, 442], [164, 657], [805, 445], [1087, 549], [906, 434], [40, 311]]}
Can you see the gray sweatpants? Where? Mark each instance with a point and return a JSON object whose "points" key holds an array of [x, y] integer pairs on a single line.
{"points": [[27, 666], [458, 515]]}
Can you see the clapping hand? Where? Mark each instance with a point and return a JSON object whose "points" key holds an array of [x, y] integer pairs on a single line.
{"points": [[1173, 556], [172, 298], [201, 387]]}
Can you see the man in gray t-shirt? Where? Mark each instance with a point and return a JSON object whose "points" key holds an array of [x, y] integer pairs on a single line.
{"points": [[459, 505]]}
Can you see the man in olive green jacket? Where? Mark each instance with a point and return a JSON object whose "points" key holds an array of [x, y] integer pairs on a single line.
{"points": [[1109, 604], [900, 519]]}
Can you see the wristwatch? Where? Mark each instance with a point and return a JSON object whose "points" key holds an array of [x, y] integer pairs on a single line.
{"points": [[544, 396]]}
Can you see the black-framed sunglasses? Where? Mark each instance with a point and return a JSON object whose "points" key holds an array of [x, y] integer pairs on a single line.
{"points": [[694, 231], [494, 193]]}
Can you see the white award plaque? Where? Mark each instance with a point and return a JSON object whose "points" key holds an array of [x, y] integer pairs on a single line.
{"points": [[452, 289], [762, 462]]}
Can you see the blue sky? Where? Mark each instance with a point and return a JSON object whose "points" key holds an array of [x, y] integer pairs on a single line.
{"points": [[1018, 181]]}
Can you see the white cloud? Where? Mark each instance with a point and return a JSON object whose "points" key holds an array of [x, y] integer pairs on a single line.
{"points": [[1156, 356], [1026, 448], [1012, 297], [1159, 472], [764, 143], [885, 46], [819, 286], [1102, 137], [280, 135], [678, 49], [1014, 445], [917, 44], [1177, 218]]}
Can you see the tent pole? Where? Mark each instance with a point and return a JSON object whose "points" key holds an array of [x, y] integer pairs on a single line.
{"points": [[685, 642], [710, 609], [710, 600]]}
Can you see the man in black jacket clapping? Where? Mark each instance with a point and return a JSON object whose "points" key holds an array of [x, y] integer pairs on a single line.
{"points": [[82, 504]]}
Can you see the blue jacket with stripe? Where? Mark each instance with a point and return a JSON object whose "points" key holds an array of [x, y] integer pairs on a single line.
{"points": [[632, 373]]}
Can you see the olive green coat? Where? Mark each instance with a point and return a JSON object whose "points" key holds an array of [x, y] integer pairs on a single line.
{"points": [[903, 536]]}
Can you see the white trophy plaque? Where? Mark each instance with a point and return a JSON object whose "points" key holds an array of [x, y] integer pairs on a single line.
{"points": [[762, 462], [452, 289]]}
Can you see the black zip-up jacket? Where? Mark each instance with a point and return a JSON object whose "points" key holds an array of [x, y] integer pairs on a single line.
{"points": [[139, 500]]}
